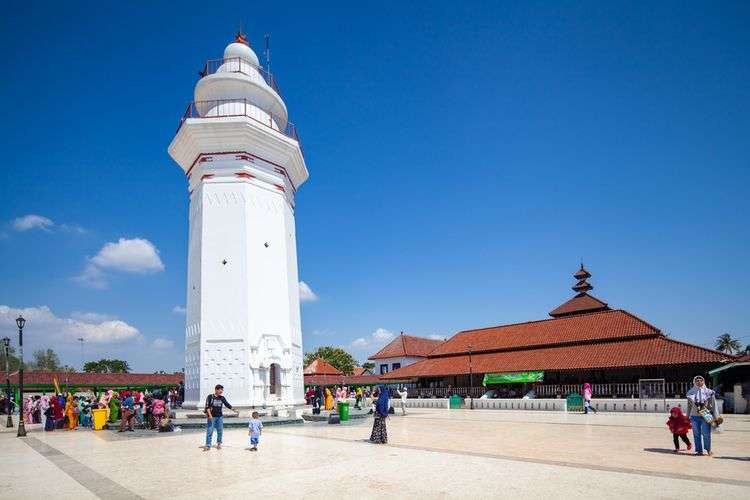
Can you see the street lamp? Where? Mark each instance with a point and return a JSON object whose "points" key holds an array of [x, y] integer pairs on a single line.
{"points": [[471, 381], [20, 322], [6, 347]]}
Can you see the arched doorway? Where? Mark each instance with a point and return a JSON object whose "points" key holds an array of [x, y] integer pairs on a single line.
{"points": [[274, 380]]}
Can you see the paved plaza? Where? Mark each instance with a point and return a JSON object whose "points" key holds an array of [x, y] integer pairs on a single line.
{"points": [[431, 454]]}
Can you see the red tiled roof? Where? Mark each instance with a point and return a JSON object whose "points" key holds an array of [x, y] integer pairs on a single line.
{"points": [[569, 329], [99, 379], [321, 367], [581, 303], [407, 345], [350, 380], [359, 371], [657, 350]]}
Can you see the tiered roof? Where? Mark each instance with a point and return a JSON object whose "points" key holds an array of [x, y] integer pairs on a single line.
{"points": [[582, 302], [407, 345], [583, 334], [607, 339], [321, 367]]}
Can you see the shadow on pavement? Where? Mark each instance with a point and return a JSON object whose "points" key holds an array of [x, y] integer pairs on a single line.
{"points": [[669, 451]]}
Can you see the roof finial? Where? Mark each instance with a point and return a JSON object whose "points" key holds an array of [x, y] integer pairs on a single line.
{"points": [[241, 37]]}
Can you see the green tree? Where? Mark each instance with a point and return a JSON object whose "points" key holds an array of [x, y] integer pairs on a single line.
{"points": [[94, 367], [725, 343], [107, 366], [368, 365], [336, 356], [13, 361], [45, 360]]}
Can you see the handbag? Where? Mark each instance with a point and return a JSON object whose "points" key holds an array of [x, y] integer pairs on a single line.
{"points": [[707, 415]]}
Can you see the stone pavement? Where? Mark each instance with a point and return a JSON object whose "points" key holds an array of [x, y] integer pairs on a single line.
{"points": [[431, 454]]}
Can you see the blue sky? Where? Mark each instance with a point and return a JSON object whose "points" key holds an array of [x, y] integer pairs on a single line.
{"points": [[464, 158]]}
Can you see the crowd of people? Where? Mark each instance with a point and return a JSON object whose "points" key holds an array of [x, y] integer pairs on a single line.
{"points": [[147, 410], [325, 398]]}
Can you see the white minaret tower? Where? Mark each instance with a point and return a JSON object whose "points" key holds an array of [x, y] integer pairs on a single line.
{"points": [[244, 164]]}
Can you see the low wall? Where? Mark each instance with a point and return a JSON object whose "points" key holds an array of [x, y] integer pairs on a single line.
{"points": [[603, 405]]}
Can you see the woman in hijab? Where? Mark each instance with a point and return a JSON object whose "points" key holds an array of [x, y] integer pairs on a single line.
{"points": [[329, 400], [28, 410], [114, 407], [379, 433], [587, 394], [57, 411], [701, 408], [317, 398], [70, 412]]}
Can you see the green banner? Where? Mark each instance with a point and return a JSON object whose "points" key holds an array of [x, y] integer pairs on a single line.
{"points": [[512, 377]]}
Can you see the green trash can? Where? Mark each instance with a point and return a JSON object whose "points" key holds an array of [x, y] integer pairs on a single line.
{"points": [[574, 402], [343, 409], [455, 402]]}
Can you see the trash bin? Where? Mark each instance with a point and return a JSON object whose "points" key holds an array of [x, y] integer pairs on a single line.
{"points": [[100, 418], [574, 402], [455, 402], [343, 409]]}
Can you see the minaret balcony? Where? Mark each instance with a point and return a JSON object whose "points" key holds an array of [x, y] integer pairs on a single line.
{"points": [[223, 108], [239, 65]]}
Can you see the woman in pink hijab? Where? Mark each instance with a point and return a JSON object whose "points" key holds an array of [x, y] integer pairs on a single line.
{"points": [[587, 393]]}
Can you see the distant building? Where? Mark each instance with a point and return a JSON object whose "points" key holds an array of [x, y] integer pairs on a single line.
{"points": [[321, 372], [584, 341], [403, 351], [34, 381]]}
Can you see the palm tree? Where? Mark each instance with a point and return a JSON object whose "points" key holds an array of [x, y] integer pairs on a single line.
{"points": [[725, 343]]}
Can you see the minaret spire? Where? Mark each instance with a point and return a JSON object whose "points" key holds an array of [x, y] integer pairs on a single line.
{"points": [[582, 286], [241, 37]]}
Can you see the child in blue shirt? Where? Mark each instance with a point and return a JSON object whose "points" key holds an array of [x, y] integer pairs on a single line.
{"points": [[255, 428]]}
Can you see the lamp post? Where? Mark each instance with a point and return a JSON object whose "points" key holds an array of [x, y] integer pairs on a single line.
{"points": [[471, 381], [6, 346], [20, 322]]}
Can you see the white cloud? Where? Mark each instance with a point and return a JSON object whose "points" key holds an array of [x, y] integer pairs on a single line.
{"points": [[43, 325], [162, 344], [436, 337], [305, 293], [360, 343], [179, 310], [136, 256], [92, 277], [91, 317], [107, 332], [383, 335], [32, 221], [374, 342]]}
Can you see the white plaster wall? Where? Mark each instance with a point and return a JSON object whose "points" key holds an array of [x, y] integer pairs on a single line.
{"points": [[243, 315], [550, 404], [405, 361]]}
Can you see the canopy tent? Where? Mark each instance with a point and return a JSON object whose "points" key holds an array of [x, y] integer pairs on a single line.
{"points": [[512, 377]]}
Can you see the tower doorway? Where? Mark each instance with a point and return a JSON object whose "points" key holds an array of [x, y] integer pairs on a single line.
{"points": [[274, 380]]}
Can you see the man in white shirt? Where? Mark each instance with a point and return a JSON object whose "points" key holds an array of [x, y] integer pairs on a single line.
{"points": [[403, 393]]}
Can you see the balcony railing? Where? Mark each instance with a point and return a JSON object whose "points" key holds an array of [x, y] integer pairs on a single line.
{"points": [[238, 107], [239, 65]]}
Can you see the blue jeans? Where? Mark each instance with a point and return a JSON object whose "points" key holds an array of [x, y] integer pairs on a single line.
{"points": [[701, 434], [211, 424]]}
